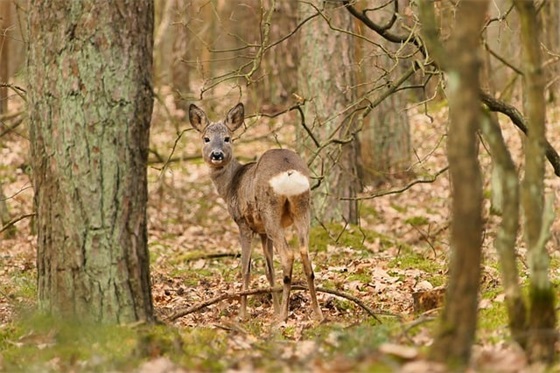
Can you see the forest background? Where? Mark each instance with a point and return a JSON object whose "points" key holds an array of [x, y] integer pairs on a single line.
{"points": [[424, 126]]}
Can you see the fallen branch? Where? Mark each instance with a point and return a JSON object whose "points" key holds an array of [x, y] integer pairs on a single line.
{"points": [[233, 295], [213, 256]]}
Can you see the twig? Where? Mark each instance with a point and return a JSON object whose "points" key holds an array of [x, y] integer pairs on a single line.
{"points": [[170, 157], [15, 220], [12, 127], [233, 295], [406, 187], [171, 160], [18, 90], [383, 31]]}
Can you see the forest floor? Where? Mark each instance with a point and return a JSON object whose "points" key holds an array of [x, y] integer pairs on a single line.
{"points": [[394, 262]]}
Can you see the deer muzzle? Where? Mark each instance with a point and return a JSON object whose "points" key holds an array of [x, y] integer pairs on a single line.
{"points": [[217, 156]]}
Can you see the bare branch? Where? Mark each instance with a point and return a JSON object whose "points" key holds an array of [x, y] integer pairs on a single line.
{"points": [[233, 295], [14, 221], [384, 30], [17, 89], [406, 187], [520, 122]]}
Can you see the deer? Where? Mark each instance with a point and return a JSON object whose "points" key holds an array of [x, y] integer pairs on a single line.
{"points": [[263, 198]]}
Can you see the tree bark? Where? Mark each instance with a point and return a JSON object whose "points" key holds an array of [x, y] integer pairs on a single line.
{"points": [[542, 316], [278, 82], [507, 186], [90, 103], [326, 80], [385, 143], [180, 79], [5, 23], [458, 324]]}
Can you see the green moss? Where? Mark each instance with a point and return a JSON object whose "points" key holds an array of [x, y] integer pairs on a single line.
{"points": [[22, 285], [493, 323], [417, 220], [398, 208], [411, 259], [31, 344], [353, 342], [368, 211], [336, 234]]}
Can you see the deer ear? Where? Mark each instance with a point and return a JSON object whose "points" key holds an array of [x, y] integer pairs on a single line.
{"points": [[197, 117], [235, 117]]}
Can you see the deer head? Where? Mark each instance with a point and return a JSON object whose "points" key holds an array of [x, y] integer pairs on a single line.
{"points": [[217, 137]]}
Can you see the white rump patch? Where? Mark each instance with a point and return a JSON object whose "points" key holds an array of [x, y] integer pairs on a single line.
{"points": [[289, 183]]}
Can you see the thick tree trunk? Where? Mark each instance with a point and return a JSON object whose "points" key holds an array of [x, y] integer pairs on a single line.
{"points": [[279, 65], [326, 81], [462, 61], [90, 103], [385, 137]]}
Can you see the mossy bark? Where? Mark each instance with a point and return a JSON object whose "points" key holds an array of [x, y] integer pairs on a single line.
{"points": [[325, 78], [538, 214], [90, 103], [461, 61], [542, 333], [507, 186]]}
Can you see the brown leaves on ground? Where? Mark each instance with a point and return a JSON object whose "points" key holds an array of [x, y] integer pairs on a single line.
{"points": [[397, 269]]}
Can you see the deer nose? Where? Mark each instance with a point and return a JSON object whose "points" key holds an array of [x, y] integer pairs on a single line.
{"points": [[217, 155]]}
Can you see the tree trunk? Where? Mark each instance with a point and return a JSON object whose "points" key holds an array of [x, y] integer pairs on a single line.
{"points": [[180, 81], [90, 103], [278, 81], [326, 78], [5, 23], [458, 325], [550, 20], [542, 316], [385, 137], [507, 187]]}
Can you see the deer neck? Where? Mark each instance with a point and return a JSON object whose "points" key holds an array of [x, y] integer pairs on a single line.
{"points": [[223, 177]]}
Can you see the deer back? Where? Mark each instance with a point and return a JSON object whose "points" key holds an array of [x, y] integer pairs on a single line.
{"points": [[254, 191]]}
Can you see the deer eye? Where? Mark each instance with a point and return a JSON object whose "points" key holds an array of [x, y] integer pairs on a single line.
{"points": [[206, 139], [227, 139]]}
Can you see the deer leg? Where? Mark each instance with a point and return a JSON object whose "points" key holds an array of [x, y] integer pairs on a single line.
{"points": [[308, 269], [269, 255], [302, 227], [287, 259], [245, 240]]}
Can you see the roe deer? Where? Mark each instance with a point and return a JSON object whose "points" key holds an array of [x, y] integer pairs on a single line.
{"points": [[262, 197]]}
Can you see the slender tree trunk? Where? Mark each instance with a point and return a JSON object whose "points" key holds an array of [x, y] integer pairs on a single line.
{"points": [[550, 20], [5, 23], [461, 61], [90, 103], [326, 81], [542, 315], [180, 81], [507, 186]]}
